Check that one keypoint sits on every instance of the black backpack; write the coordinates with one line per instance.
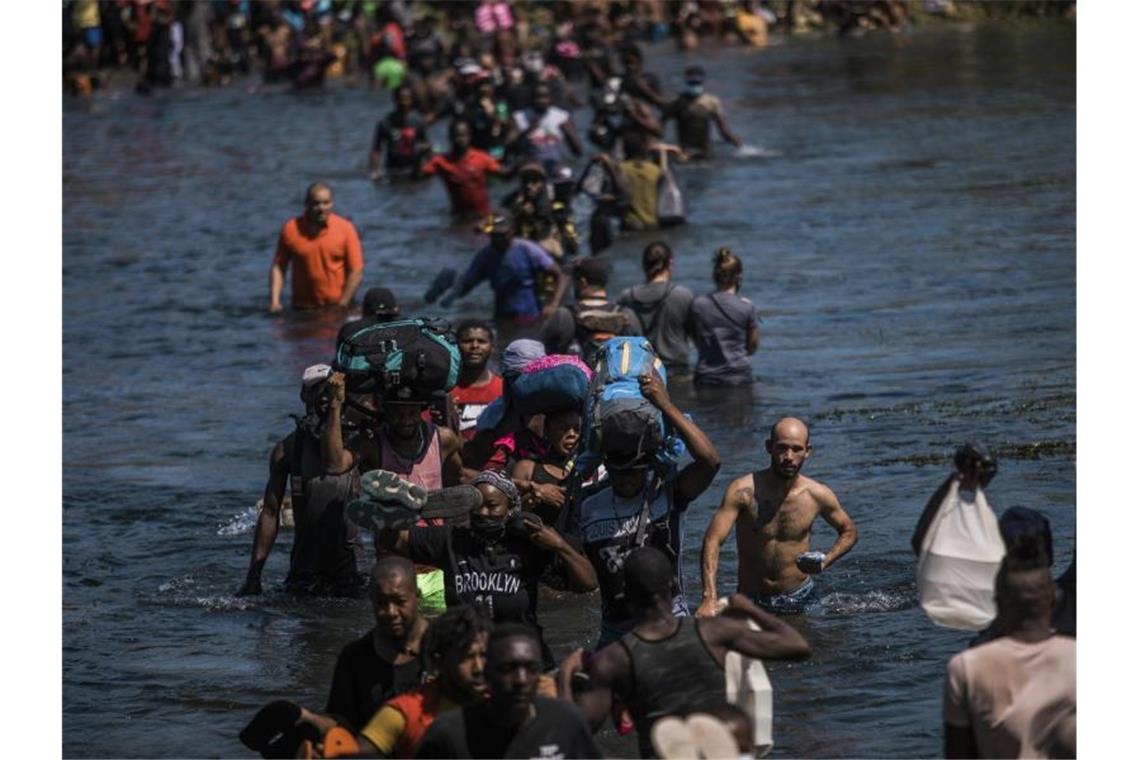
(417, 353)
(593, 326)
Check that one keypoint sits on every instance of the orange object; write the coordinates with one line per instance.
(321, 262)
(339, 742)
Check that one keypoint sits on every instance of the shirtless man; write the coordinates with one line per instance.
(774, 510)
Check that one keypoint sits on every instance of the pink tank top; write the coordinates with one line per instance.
(427, 471)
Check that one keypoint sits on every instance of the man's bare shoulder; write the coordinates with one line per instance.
(819, 492)
(742, 490)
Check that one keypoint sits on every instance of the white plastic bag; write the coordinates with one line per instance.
(670, 204)
(746, 685)
(960, 556)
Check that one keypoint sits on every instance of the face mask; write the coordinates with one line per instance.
(487, 528)
(694, 90)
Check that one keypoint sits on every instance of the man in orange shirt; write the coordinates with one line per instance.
(326, 253)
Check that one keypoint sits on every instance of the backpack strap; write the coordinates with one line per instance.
(651, 489)
(658, 306)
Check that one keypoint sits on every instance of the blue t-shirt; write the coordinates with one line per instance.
(512, 275)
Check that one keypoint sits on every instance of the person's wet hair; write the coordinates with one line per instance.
(393, 565)
(648, 575)
(1027, 535)
(1023, 587)
(727, 268)
(656, 258)
(594, 271)
(455, 629)
(631, 50)
(635, 143)
(510, 630)
(475, 324)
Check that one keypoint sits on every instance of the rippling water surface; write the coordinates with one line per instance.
(907, 225)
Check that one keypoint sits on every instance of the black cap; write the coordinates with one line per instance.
(380, 302)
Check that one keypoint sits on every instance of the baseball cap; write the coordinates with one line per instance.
(499, 222)
(315, 374)
(380, 302)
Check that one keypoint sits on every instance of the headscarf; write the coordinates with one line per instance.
(520, 353)
(500, 481)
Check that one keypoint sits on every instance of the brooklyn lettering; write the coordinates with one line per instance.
(474, 583)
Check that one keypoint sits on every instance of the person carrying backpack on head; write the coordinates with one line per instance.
(662, 309)
(582, 328)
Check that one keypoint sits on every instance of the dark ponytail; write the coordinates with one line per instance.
(727, 269)
(656, 258)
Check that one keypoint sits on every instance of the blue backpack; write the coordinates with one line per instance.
(617, 418)
(417, 353)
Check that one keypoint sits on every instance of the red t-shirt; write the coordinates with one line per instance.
(321, 263)
(471, 400)
(466, 179)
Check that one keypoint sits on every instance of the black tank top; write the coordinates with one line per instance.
(547, 512)
(672, 676)
(324, 553)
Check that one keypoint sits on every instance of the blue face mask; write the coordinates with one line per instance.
(694, 90)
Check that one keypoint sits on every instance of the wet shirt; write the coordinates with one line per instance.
(720, 322)
(607, 527)
(662, 310)
(363, 681)
(558, 730)
(404, 135)
(466, 179)
(321, 262)
(1012, 694)
(512, 275)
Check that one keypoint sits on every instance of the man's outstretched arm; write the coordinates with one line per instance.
(736, 496)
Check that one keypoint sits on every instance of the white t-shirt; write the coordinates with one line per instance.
(1013, 695)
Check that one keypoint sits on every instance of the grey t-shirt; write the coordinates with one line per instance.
(663, 311)
(720, 322)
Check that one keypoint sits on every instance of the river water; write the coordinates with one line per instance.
(907, 227)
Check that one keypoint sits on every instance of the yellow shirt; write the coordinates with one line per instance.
(641, 176)
(85, 14)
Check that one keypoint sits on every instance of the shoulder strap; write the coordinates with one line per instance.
(643, 518)
(712, 297)
(658, 306)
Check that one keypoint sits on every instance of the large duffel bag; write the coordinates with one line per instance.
(550, 384)
(417, 353)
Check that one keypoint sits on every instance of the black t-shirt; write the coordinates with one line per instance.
(503, 578)
(363, 681)
(557, 730)
(403, 133)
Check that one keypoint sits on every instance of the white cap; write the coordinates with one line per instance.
(315, 374)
